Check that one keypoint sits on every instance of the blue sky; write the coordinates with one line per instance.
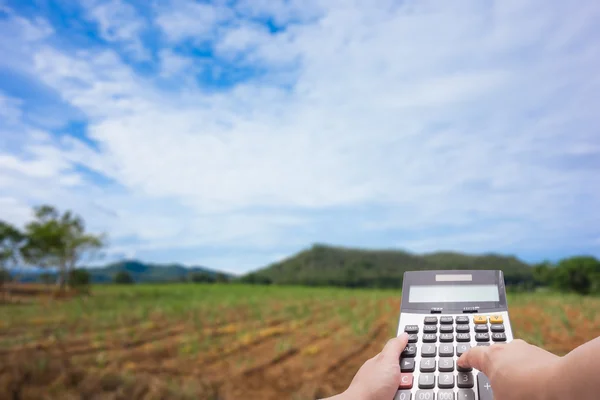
(234, 133)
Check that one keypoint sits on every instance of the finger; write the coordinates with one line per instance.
(394, 347)
(474, 358)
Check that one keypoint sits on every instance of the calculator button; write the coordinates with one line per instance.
(480, 319)
(411, 329)
(429, 338)
(446, 320)
(406, 381)
(426, 381)
(413, 338)
(446, 337)
(497, 327)
(407, 365)
(446, 394)
(463, 337)
(428, 350)
(462, 348)
(499, 337)
(446, 350)
(446, 381)
(481, 328)
(446, 364)
(403, 395)
(409, 351)
(496, 319)
(465, 380)
(446, 328)
(462, 320)
(430, 329)
(427, 365)
(484, 388)
(430, 320)
(482, 337)
(462, 328)
(425, 395)
(466, 394)
(463, 369)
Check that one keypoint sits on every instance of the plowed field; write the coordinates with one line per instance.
(227, 341)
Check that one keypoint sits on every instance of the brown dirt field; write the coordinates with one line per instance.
(307, 357)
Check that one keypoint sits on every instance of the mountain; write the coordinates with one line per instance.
(338, 266)
(145, 272)
(139, 271)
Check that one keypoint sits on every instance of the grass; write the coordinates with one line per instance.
(232, 325)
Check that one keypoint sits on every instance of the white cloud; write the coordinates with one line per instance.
(14, 211)
(18, 38)
(10, 109)
(462, 116)
(119, 22)
(174, 64)
(185, 19)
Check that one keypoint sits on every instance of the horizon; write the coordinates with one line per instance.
(232, 134)
(102, 264)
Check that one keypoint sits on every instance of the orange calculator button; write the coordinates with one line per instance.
(496, 319)
(480, 319)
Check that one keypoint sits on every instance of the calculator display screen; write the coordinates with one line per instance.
(452, 293)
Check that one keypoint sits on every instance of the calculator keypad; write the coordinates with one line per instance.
(426, 381)
(463, 337)
(428, 363)
(428, 350)
(430, 329)
(429, 338)
(446, 337)
(407, 365)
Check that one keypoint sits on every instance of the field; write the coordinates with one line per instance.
(227, 341)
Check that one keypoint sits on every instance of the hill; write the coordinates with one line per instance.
(139, 271)
(337, 266)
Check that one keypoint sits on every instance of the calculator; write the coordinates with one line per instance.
(445, 313)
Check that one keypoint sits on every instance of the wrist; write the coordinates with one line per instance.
(553, 382)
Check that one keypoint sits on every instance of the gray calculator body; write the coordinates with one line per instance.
(445, 314)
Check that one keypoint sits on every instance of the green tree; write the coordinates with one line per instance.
(579, 274)
(58, 241)
(79, 277)
(123, 278)
(4, 277)
(543, 274)
(202, 277)
(11, 246)
(221, 278)
(46, 278)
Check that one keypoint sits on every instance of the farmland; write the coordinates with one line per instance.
(228, 341)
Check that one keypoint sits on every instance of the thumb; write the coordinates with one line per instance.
(392, 349)
(475, 357)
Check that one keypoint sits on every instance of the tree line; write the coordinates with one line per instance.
(50, 240)
(580, 274)
(323, 265)
(59, 241)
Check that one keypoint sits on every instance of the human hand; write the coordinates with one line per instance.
(516, 370)
(379, 377)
